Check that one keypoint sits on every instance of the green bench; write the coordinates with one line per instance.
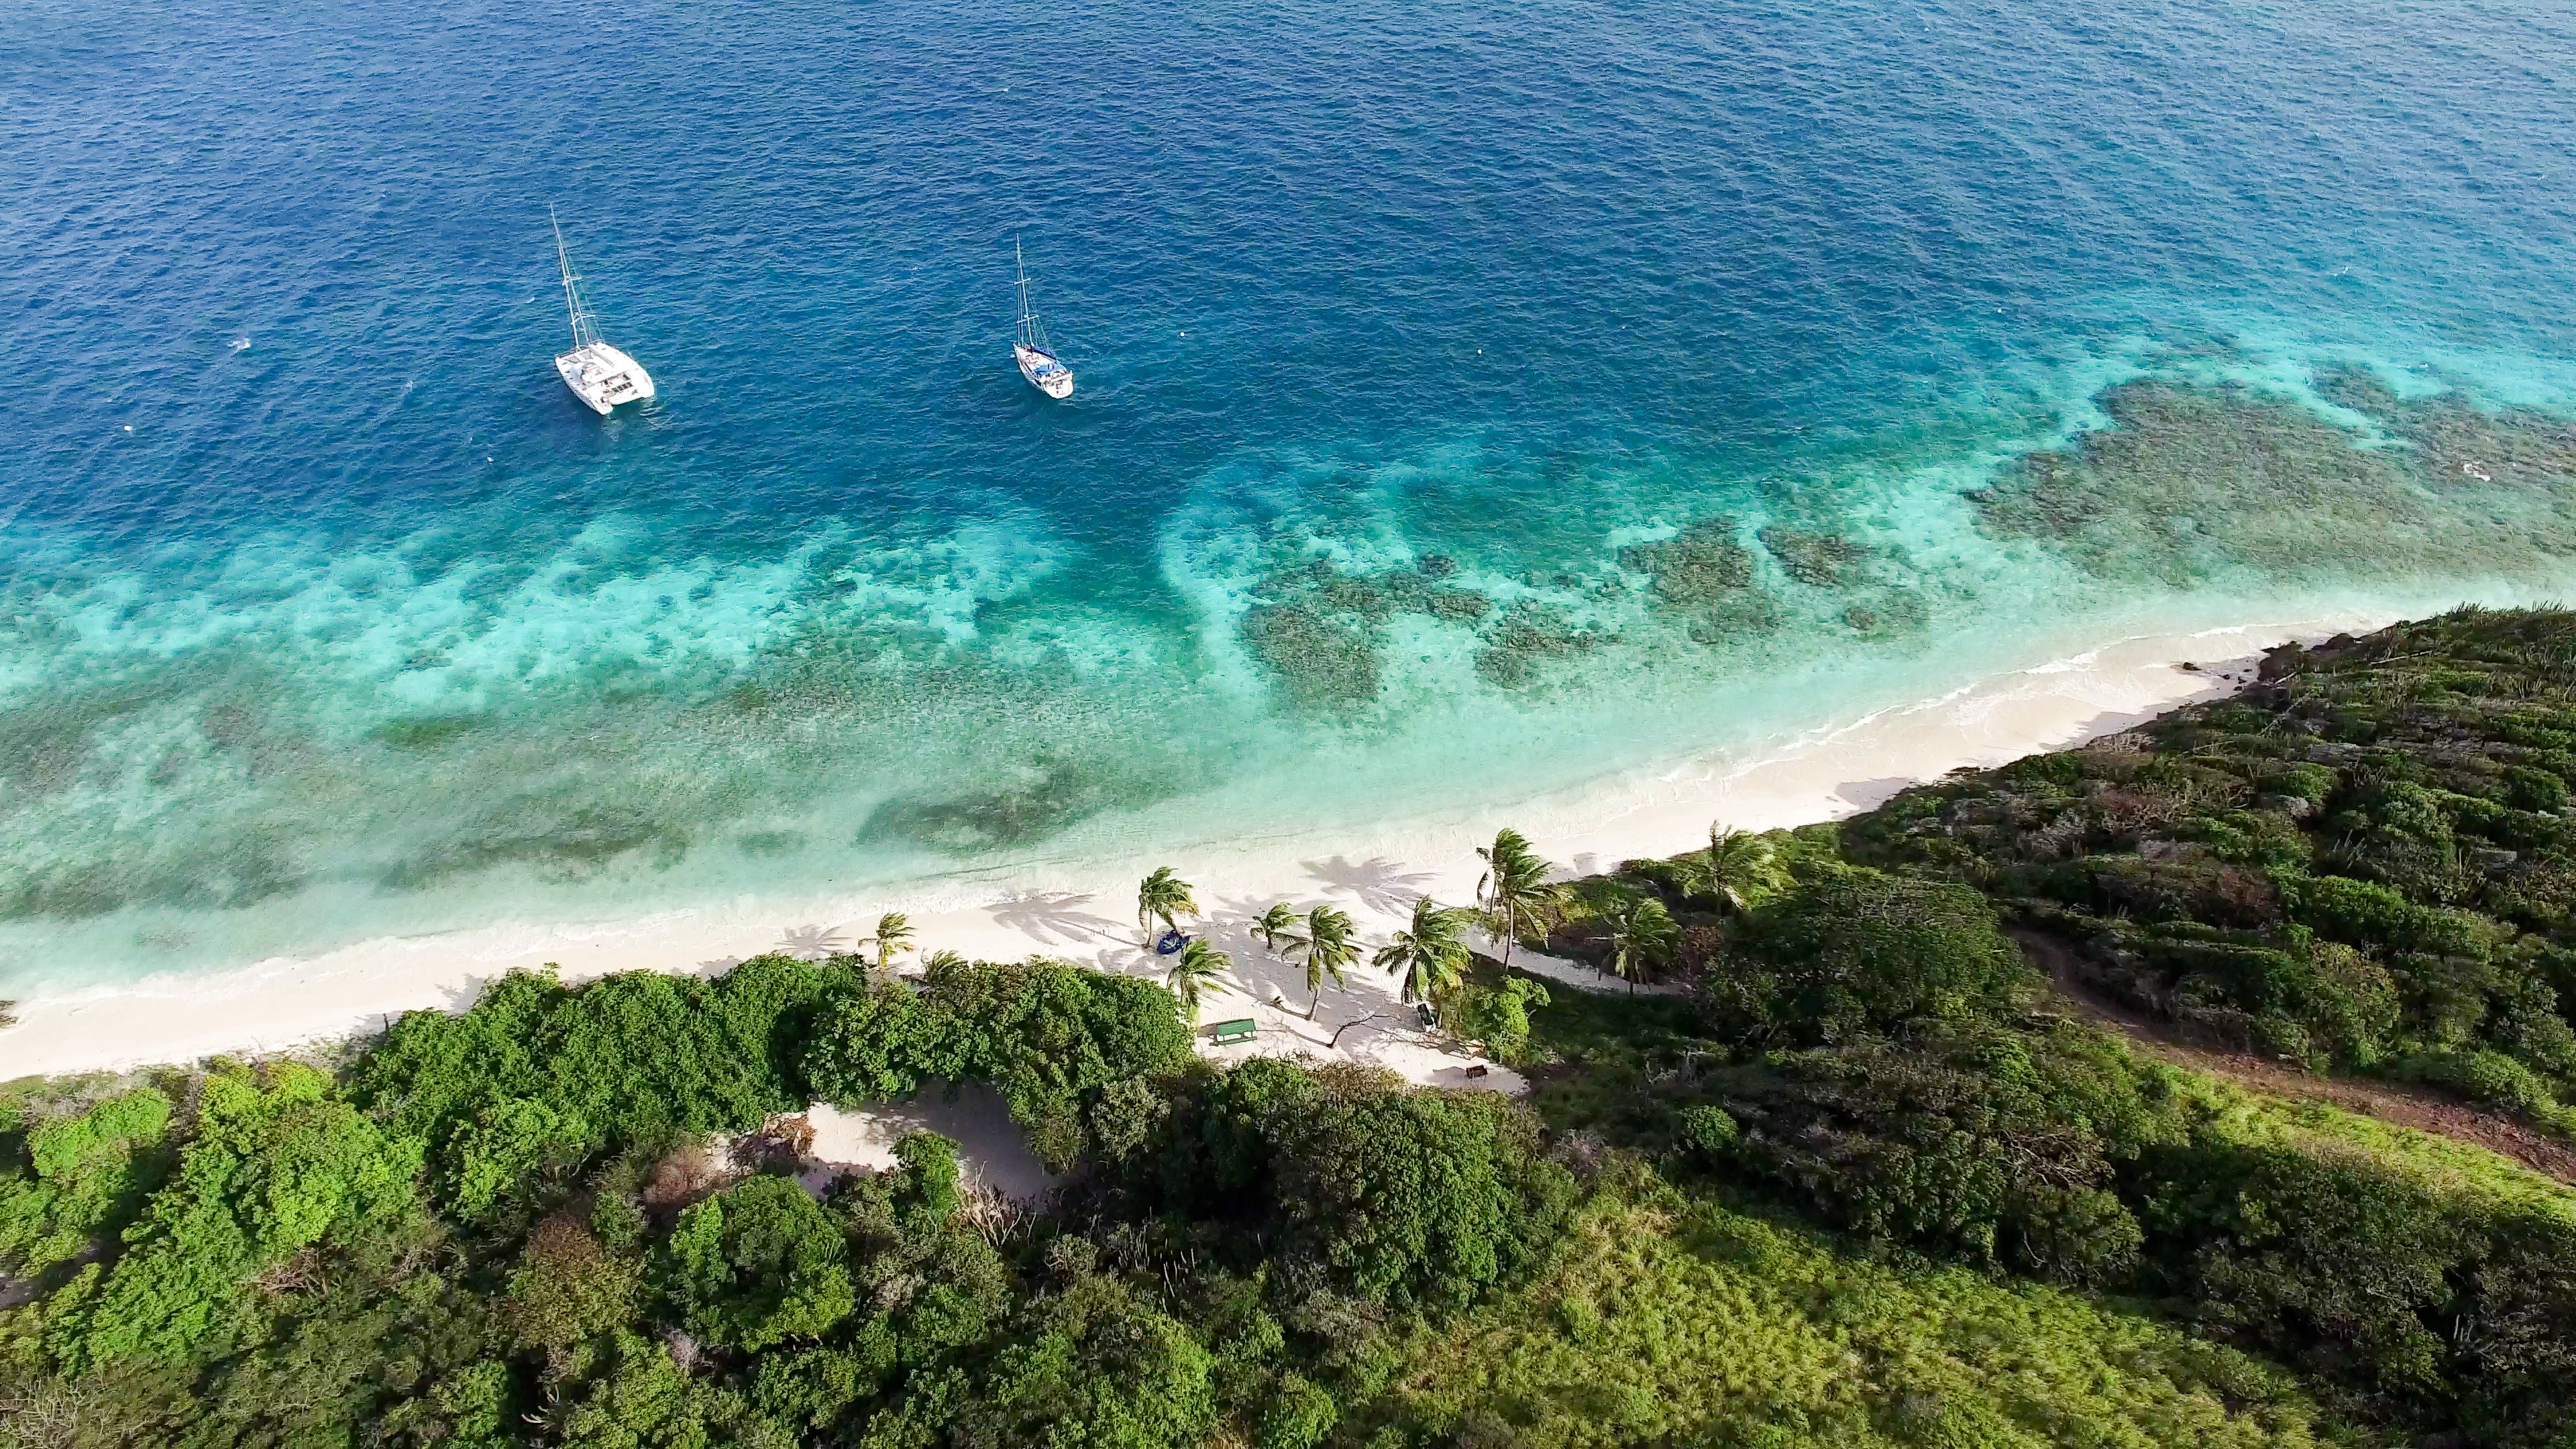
(1227, 1032)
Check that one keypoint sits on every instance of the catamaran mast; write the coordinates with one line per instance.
(581, 330)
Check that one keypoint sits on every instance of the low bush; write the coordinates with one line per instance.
(1498, 1016)
(276, 1165)
(1855, 951)
(87, 1177)
(757, 1264)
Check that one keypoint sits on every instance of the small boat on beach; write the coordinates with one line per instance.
(597, 373)
(1038, 362)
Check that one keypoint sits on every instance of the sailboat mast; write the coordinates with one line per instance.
(1021, 263)
(572, 296)
(1038, 362)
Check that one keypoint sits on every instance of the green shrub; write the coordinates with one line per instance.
(2299, 780)
(273, 1168)
(2486, 1076)
(1408, 1196)
(2494, 1077)
(2330, 1264)
(1854, 951)
(1131, 1377)
(1987, 1145)
(1299, 1415)
(2370, 915)
(2352, 910)
(812, 1388)
(1217, 1149)
(88, 1176)
(930, 1177)
(871, 1043)
(635, 1059)
(2071, 1234)
(1048, 1037)
(2251, 838)
(1498, 1016)
(757, 1264)
(512, 1147)
(1127, 1118)
(647, 1056)
(2310, 999)
(569, 1286)
(1709, 1131)
(640, 1398)
(2530, 789)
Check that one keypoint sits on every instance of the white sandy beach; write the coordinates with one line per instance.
(1085, 914)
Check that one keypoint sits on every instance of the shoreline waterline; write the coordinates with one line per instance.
(1083, 911)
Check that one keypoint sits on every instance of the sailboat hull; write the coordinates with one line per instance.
(603, 377)
(1043, 371)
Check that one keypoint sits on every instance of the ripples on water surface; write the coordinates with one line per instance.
(1470, 403)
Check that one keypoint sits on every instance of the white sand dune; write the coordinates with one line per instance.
(1085, 913)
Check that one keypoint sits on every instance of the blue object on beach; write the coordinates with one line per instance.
(1171, 941)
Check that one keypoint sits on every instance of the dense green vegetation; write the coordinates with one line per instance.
(1271, 1254)
(1678, 1320)
(2365, 861)
(1864, 1181)
(2348, 867)
(506, 1227)
(465, 1243)
(2416, 1284)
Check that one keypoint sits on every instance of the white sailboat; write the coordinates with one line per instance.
(597, 373)
(1038, 362)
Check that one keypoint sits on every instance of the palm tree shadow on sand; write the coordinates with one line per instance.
(1378, 883)
(1351, 1018)
(1255, 974)
(811, 943)
(461, 995)
(1056, 918)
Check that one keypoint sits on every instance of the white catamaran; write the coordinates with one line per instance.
(597, 373)
(1038, 363)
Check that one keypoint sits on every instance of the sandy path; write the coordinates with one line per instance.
(2420, 1108)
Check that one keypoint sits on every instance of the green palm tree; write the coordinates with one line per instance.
(1514, 893)
(894, 933)
(943, 959)
(1327, 950)
(1198, 964)
(1163, 897)
(1276, 925)
(1642, 934)
(1427, 954)
(1741, 869)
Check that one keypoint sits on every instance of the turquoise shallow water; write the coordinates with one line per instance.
(1469, 404)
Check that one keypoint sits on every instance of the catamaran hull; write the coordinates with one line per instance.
(603, 377)
(1057, 383)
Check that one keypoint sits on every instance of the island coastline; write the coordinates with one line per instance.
(1080, 913)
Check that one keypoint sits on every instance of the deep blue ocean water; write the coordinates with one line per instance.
(325, 611)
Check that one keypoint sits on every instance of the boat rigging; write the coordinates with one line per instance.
(1038, 362)
(597, 373)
